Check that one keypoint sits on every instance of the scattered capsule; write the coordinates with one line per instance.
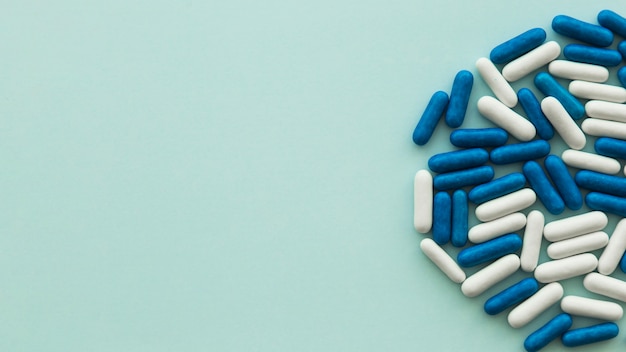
(603, 183)
(604, 128)
(591, 161)
(531, 61)
(600, 91)
(507, 204)
(532, 108)
(511, 296)
(500, 226)
(478, 137)
(497, 188)
(489, 250)
(499, 86)
(532, 240)
(490, 275)
(459, 97)
(564, 182)
(577, 245)
(550, 87)
(517, 46)
(614, 250)
(591, 55)
(590, 334)
(583, 31)
(462, 178)
(442, 218)
(578, 70)
(607, 203)
(562, 121)
(423, 201)
(612, 21)
(548, 332)
(540, 183)
(606, 110)
(576, 225)
(427, 123)
(458, 160)
(606, 286)
(459, 218)
(566, 268)
(512, 153)
(503, 116)
(442, 260)
(592, 308)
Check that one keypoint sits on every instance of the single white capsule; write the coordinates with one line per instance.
(563, 123)
(606, 286)
(606, 110)
(561, 269)
(612, 254)
(492, 229)
(490, 275)
(600, 91)
(576, 225)
(423, 201)
(531, 61)
(499, 86)
(578, 70)
(580, 244)
(531, 246)
(591, 161)
(592, 308)
(604, 128)
(442, 260)
(506, 204)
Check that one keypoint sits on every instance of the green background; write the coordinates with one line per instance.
(235, 176)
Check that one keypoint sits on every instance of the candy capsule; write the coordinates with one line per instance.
(611, 147)
(492, 229)
(442, 218)
(576, 225)
(602, 183)
(592, 55)
(606, 110)
(531, 61)
(578, 70)
(550, 87)
(564, 182)
(604, 128)
(489, 250)
(490, 275)
(590, 161)
(442, 260)
(512, 153)
(423, 201)
(592, 308)
(614, 250)
(511, 296)
(497, 188)
(501, 115)
(621, 75)
(566, 268)
(462, 178)
(506, 204)
(532, 108)
(517, 46)
(532, 240)
(458, 160)
(606, 286)
(583, 31)
(427, 123)
(543, 188)
(478, 137)
(459, 97)
(548, 332)
(499, 86)
(607, 203)
(600, 91)
(612, 21)
(535, 305)
(590, 334)
(563, 123)
(577, 245)
(459, 218)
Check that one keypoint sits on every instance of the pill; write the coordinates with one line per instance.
(621, 75)
(442, 218)
(507, 204)
(578, 70)
(550, 87)
(590, 334)
(427, 123)
(517, 46)
(532, 108)
(592, 55)
(621, 48)
(459, 218)
(535, 305)
(613, 252)
(532, 240)
(512, 153)
(612, 147)
(423, 201)
(442, 260)
(563, 123)
(540, 183)
(612, 21)
(583, 31)
(600, 91)
(492, 229)
(501, 115)
(490, 275)
(622, 263)
(564, 182)
(458, 160)
(489, 250)
(462, 178)
(511, 296)
(602, 183)
(604, 128)
(478, 137)
(459, 97)
(606, 202)
(498, 187)
(576, 225)
(553, 329)
(590, 161)
(577, 245)
(606, 286)
(606, 110)
(499, 86)
(531, 61)
(591, 308)
(566, 268)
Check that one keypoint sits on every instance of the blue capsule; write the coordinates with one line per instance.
(459, 218)
(517, 46)
(549, 86)
(564, 182)
(556, 327)
(599, 182)
(612, 21)
(498, 187)
(583, 31)
(511, 296)
(462, 178)
(459, 97)
(458, 160)
(606, 203)
(427, 123)
(479, 137)
(532, 107)
(490, 250)
(590, 334)
(592, 55)
(544, 189)
(621, 48)
(442, 222)
(615, 148)
(622, 263)
(512, 153)
(621, 75)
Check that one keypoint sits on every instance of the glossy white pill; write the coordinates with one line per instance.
(495, 228)
(442, 260)
(606, 110)
(499, 86)
(561, 269)
(578, 70)
(580, 244)
(613, 252)
(507, 204)
(531, 246)
(604, 128)
(591, 161)
(531, 61)
(423, 201)
(506, 118)
(592, 308)
(600, 91)
(576, 225)
(606, 286)
(490, 275)
(535, 305)
(563, 123)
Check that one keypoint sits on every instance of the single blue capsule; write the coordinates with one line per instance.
(615, 148)
(511, 296)
(497, 188)
(583, 31)
(612, 21)
(489, 250)
(512, 153)
(532, 107)
(462, 178)
(564, 182)
(427, 123)
(556, 327)
(592, 55)
(459, 218)
(459, 97)
(442, 222)
(606, 203)
(590, 334)
(599, 182)
(517, 46)
(544, 189)
(458, 160)
(550, 87)
(479, 137)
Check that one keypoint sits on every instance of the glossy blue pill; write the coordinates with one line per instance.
(622, 263)
(607, 203)
(621, 75)
(442, 221)
(592, 55)
(542, 186)
(549, 86)
(479, 137)
(590, 334)
(490, 250)
(532, 107)
(583, 31)
(615, 148)
(599, 182)
(512, 153)
(498, 187)
(459, 218)
(556, 327)
(511, 296)
(621, 48)
(458, 160)
(612, 21)
(517, 46)
(459, 97)
(564, 182)
(427, 123)
(462, 178)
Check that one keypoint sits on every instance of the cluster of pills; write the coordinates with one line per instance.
(587, 110)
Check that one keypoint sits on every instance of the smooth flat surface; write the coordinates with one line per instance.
(235, 176)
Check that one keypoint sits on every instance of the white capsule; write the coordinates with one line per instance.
(499, 86)
(614, 251)
(580, 244)
(531, 246)
(490, 275)
(576, 225)
(606, 110)
(506, 204)
(495, 228)
(606, 286)
(506, 118)
(566, 268)
(423, 201)
(604, 128)
(563, 123)
(531, 61)
(600, 91)
(535, 305)
(442, 260)
(578, 70)
(592, 308)
(591, 161)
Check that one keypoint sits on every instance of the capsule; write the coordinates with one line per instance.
(590, 334)
(621, 75)
(490, 275)
(604, 128)
(532, 240)
(478, 137)
(592, 55)
(605, 286)
(563, 182)
(459, 97)
(501, 115)
(462, 178)
(548, 332)
(512, 153)
(607, 203)
(621, 48)
(442, 260)
(531, 61)
(499, 86)
(566, 268)
(517, 46)
(507, 204)
(535, 305)
(563, 123)
(511, 296)
(592, 308)
(458, 160)
(490, 250)
(497, 188)
(611, 147)
(492, 229)
(612, 21)
(459, 218)
(578, 70)
(427, 123)
(550, 87)
(622, 263)
(543, 188)
(600, 182)
(600, 91)
(591, 161)
(532, 108)
(614, 250)
(576, 225)
(583, 31)
(606, 110)
(423, 201)
(442, 218)
(577, 245)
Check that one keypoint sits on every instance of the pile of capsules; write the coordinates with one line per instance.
(441, 203)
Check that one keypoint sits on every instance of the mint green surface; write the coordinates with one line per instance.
(235, 176)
